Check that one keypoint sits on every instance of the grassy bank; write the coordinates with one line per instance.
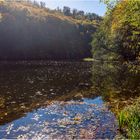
(129, 120)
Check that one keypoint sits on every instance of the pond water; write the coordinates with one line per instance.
(57, 100)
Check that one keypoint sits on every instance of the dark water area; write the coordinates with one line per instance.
(61, 100)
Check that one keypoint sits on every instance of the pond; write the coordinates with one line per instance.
(59, 100)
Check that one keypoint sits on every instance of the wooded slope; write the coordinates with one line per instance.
(31, 32)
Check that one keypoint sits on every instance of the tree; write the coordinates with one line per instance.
(74, 12)
(42, 4)
(66, 11)
(35, 3)
(120, 31)
(58, 10)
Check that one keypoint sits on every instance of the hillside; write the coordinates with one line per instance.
(31, 32)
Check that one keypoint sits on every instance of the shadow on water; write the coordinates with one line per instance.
(64, 100)
(118, 84)
(27, 86)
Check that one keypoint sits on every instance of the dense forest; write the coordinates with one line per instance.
(118, 37)
(30, 31)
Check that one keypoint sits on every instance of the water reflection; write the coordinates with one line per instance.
(64, 120)
(117, 83)
(26, 86)
(52, 100)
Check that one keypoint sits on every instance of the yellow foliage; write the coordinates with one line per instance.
(117, 15)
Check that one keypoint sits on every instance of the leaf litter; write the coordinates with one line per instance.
(65, 120)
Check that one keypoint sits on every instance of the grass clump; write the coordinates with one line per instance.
(129, 120)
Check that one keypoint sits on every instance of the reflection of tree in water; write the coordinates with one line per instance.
(28, 87)
(25, 87)
(117, 83)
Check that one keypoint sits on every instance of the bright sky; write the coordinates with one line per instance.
(93, 6)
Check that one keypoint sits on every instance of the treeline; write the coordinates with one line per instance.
(118, 36)
(79, 14)
(29, 31)
(67, 11)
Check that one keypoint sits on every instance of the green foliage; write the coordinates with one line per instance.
(120, 31)
(129, 119)
(121, 119)
(110, 3)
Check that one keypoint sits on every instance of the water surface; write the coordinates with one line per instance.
(53, 100)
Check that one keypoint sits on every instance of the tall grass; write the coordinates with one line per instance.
(129, 119)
